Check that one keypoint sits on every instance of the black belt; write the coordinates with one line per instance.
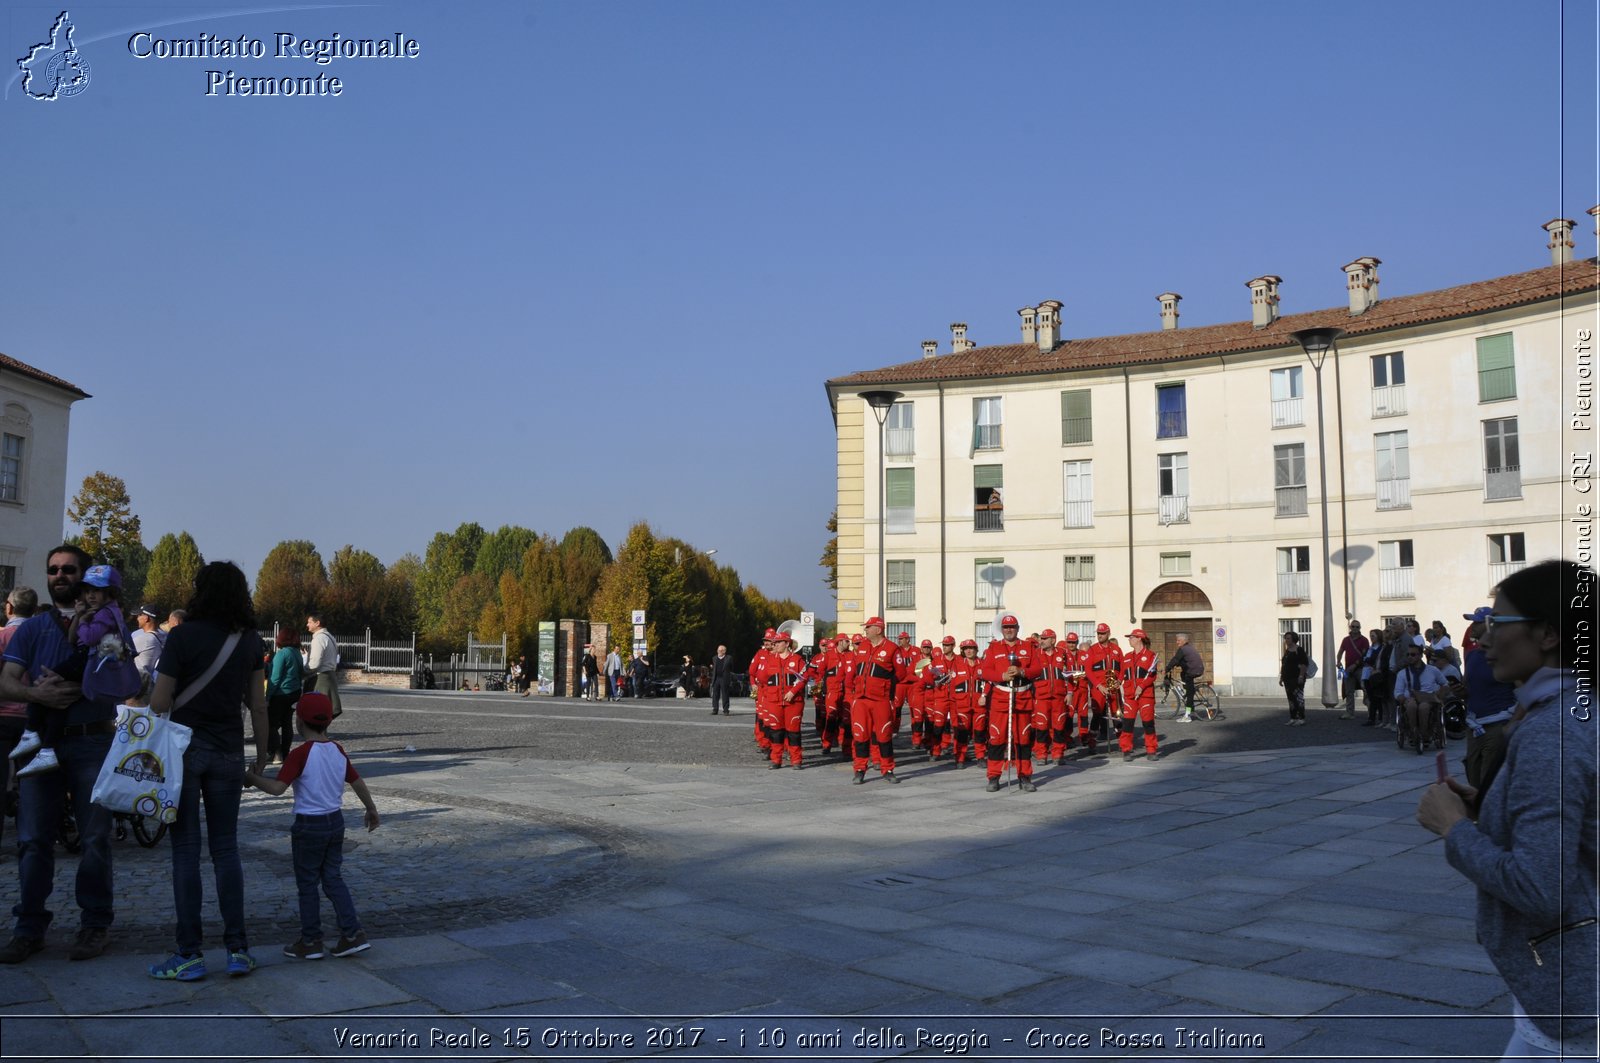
(317, 817)
(99, 727)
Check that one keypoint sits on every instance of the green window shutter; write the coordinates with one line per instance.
(1497, 372)
(901, 488)
(988, 476)
(1077, 425)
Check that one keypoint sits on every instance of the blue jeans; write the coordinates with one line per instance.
(318, 858)
(217, 778)
(39, 822)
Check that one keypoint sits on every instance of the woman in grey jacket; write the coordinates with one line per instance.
(1532, 852)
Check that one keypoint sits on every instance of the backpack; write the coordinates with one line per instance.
(1311, 667)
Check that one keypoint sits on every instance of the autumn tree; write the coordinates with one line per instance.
(355, 596)
(584, 558)
(502, 550)
(291, 584)
(110, 530)
(450, 555)
(169, 582)
(398, 615)
(830, 552)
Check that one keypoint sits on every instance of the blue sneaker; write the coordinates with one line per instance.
(181, 968)
(241, 963)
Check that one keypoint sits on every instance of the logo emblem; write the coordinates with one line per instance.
(55, 69)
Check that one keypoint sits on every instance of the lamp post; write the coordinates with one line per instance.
(1317, 342)
(880, 401)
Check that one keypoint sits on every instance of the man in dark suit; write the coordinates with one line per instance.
(721, 680)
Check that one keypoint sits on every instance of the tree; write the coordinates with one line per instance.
(356, 589)
(398, 616)
(291, 584)
(830, 552)
(450, 556)
(110, 529)
(464, 606)
(502, 550)
(584, 557)
(173, 563)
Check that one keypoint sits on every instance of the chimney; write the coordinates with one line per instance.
(930, 348)
(1049, 324)
(958, 338)
(1263, 300)
(1361, 279)
(1560, 230)
(1026, 313)
(1169, 309)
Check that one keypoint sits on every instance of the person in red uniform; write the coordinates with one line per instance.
(1051, 710)
(760, 685)
(1102, 662)
(828, 689)
(937, 698)
(1140, 666)
(872, 715)
(791, 672)
(963, 686)
(1077, 691)
(1011, 666)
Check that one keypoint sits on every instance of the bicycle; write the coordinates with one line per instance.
(1207, 702)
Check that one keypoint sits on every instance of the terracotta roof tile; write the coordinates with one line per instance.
(10, 364)
(1171, 345)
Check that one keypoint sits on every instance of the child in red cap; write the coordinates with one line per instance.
(318, 768)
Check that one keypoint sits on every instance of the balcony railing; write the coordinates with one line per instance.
(902, 520)
(1397, 583)
(901, 596)
(1286, 412)
(1294, 586)
(1172, 509)
(1497, 384)
(1502, 483)
(987, 597)
(986, 437)
(1394, 494)
(987, 519)
(1077, 430)
(1389, 401)
(1291, 501)
(1499, 570)
(1080, 592)
(900, 442)
(1080, 514)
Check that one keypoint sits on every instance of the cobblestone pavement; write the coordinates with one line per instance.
(1271, 904)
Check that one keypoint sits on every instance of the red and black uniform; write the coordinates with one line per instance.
(872, 715)
(832, 693)
(821, 663)
(1077, 694)
(963, 686)
(1102, 662)
(936, 700)
(1050, 696)
(790, 671)
(763, 683)
(1139, 671)
(1011, 707)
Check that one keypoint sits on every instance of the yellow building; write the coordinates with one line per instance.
(1169, 479)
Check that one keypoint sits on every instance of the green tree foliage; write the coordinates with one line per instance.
(102, 509)
(135, 570)
(354, 599)
(502, 550)
(830, 552)
(464, 606)
(450, 555)
(584, 558)
(676, 585)
(292, 583)
(399, 613)
(169, 582)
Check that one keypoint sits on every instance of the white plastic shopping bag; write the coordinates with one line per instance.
(143, 773)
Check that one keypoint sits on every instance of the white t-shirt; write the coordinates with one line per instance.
(318, 771)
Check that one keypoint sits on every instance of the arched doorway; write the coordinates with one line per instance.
(1178, 608)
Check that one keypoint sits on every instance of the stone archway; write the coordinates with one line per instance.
(1179, 608)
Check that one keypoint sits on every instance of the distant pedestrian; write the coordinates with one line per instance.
(318, 769)
(614, 675)
(1352, 654)
(524, 675)
(591, 675)
(1190, 668)
(20, 604)
(148, 639)
(641, 675)
(721, 680)
(1292, 678)
(285, 683)
(322, 665)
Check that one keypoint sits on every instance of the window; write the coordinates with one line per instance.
(1077, 491)
(900, 511)
(986, 424)
(1172, 487)
(1084, 629)
(988, 501)
(1301, 626)
(1497, 368)
(892, 631)
(982, 634)
(11, 469)
(901, 577)
(1394, 470)
(8, 579)
(1502, 459)
(900, 435)
(1289, 478)
(1077, 424)
(1294, 574)
(1078, 575)
(1175, 564)
(990, 576)
(1388, 384)
(1172, 416)
(1288, 397)
(1396, 577)
(1508, 552)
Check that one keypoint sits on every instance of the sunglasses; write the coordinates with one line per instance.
(62, 570)
(1492, 622)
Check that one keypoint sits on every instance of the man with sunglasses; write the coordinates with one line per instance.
(1416, 691)
(38, 645)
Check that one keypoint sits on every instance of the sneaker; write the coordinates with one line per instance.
(1127, 758)
(1290, 722)
(890, 776)
(993, 786)
(43, 761)
(90, 942)
(1186, 718)
(180, 968)
(304, 950)
(20, 948)
(774, 765)
(29, 742)
(860, 778)
(349, 946)
(1347, 716)
(1027, 785)
(241, 963)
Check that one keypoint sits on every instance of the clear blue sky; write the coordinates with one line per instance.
(587, 263)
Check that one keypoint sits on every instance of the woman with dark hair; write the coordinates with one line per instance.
(284, 682)
(210, 665)
(1532, 852)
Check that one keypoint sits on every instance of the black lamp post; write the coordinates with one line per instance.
(1317, 342)
(880, 401)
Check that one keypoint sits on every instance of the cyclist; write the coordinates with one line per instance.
(1187, 659)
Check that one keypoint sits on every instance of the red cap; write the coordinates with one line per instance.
(1102, 629)
(315, 709)
(859, 639)
(927, 644)
(1072, 636)
(969, 642)
(949, 640)
(769, 636)
(1009, 621)
(1047, 633)
(874, 621)
(904, 635)
(1137, 633)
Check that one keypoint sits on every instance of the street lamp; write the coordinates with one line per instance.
(880, 401)
(1317, 342)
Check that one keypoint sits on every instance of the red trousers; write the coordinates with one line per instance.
(1020, 739)
(872, 724)
(1145, 713)
(787, 735)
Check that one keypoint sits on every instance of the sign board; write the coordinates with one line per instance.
(547, 651)
(638, 632)
(638, 616)
(638, 647)
(1220, 634)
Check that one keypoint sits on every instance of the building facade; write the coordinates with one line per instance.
(35, 412)
(1170, 480)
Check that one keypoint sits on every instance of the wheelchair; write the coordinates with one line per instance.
(1433, 729)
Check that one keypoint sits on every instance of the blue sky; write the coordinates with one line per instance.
(590, 263)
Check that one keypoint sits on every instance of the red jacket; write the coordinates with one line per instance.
(1102, 660)
(1002, 655)
(880, 671)
(1139, 671)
